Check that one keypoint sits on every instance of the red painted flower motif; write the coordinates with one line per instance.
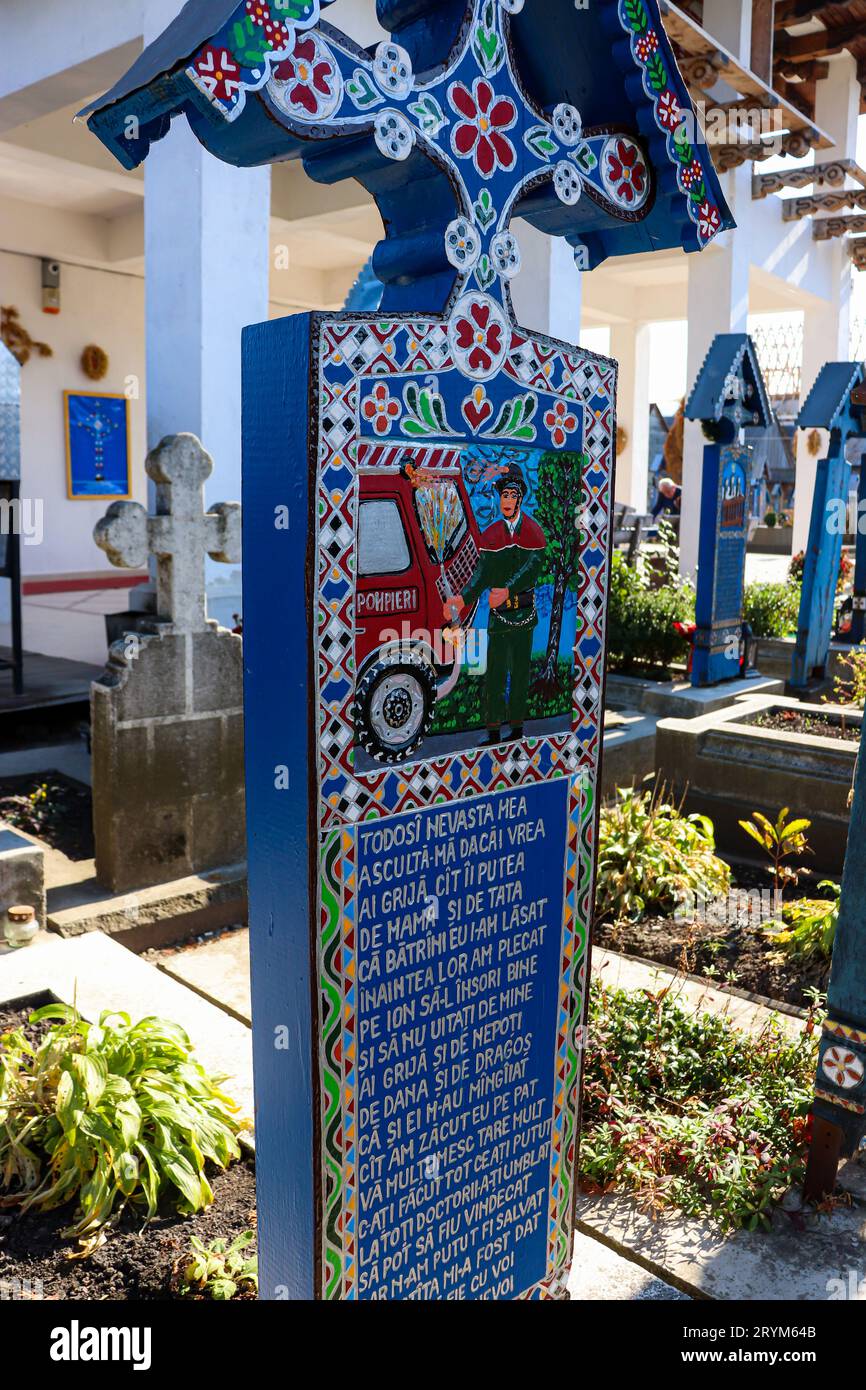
(668, 110)
(381, 409)
(561, 423)
(218, 72)
(692, 174)
(647, 45)
(275, 31)
(479, 335)
(626, 172)
(312, 75)
(709, 220)
(480, 132)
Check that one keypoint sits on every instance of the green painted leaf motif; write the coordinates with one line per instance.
(426, 412)
(249, 43)
(540, 141)
(514, 419)
(296, 10)
(657, 74)
(636, 15)
(585, 159)
(486, 43)
(484, 273)
(362, 91)
(431, 118)
(485, 212)
(698, 192)
(685, 154)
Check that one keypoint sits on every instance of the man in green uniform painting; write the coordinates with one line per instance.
(510, 561)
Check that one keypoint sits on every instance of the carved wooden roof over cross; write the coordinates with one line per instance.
(476, 111)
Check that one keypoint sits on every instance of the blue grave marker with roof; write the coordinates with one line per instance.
(831, 405)
(728, 398)
(421, 880)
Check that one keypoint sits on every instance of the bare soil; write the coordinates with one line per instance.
(791, 721)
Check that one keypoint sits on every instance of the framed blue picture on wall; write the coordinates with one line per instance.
(97, 446)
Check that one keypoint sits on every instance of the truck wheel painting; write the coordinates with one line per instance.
(465, 604)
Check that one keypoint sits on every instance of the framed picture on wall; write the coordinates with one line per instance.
(97, 446)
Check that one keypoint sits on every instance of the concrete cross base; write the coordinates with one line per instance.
(167, 724)
(678, 698)
(153, 917)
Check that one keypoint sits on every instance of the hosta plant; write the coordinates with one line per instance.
(106, 1115)
(652, 857)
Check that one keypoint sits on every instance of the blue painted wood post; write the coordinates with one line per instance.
(839, 1110)
(729, 397)
(858, 615)
(420, 893)
(821, 568)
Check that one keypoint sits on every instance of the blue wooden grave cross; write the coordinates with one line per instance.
(829, 406)
(420, 895)
(728, 398)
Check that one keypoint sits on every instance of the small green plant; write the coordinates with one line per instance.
(651, 856)
(772, 610)
(684, 1110)
(851, 689)
(108, 1114)
(770, 519)
(807, 928)
(779, 842)
(220, 1271)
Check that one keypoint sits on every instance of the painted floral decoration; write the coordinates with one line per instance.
(393, 134)
(561, 422)
(668, 110)
(277, 32)
(479, 335)
(218, 73)
(462, 244)
(709, 220)
(506, 254)
(625, 172)
(311, 79)
(568, 183)
(647, 45)
(381, 409)
(392, 69)
(481, 131)
(843, 1067)
(693, 174)
(567, 123)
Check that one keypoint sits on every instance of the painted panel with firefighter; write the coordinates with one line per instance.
(466, 606)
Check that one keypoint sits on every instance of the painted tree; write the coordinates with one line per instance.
(558, 500)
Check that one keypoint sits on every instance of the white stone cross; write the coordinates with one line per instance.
(181, 534)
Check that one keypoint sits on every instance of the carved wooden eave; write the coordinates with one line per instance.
(828, 228)
(857, 252)
(833, 28)
(794, 209)
(831, 173)
(704, 62)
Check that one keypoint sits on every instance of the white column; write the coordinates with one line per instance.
(827, 326)
(730, 21)
(718, 303)
(207, 264)
(630, 346)
(547, 292)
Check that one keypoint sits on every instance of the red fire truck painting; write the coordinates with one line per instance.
(417, 545)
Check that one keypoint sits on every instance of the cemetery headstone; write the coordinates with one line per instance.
(829, 406)
(427, 510)
(729, 398)
(167, 715)
(839, 1110)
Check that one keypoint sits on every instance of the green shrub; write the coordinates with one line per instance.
(651, 857)
(219, 1271)
(772, 610)
(686, 1111)
(770, 519)
(851, 689)
(107, 1114)
(641, 616)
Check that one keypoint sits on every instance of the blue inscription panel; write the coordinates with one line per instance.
(459, 929)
